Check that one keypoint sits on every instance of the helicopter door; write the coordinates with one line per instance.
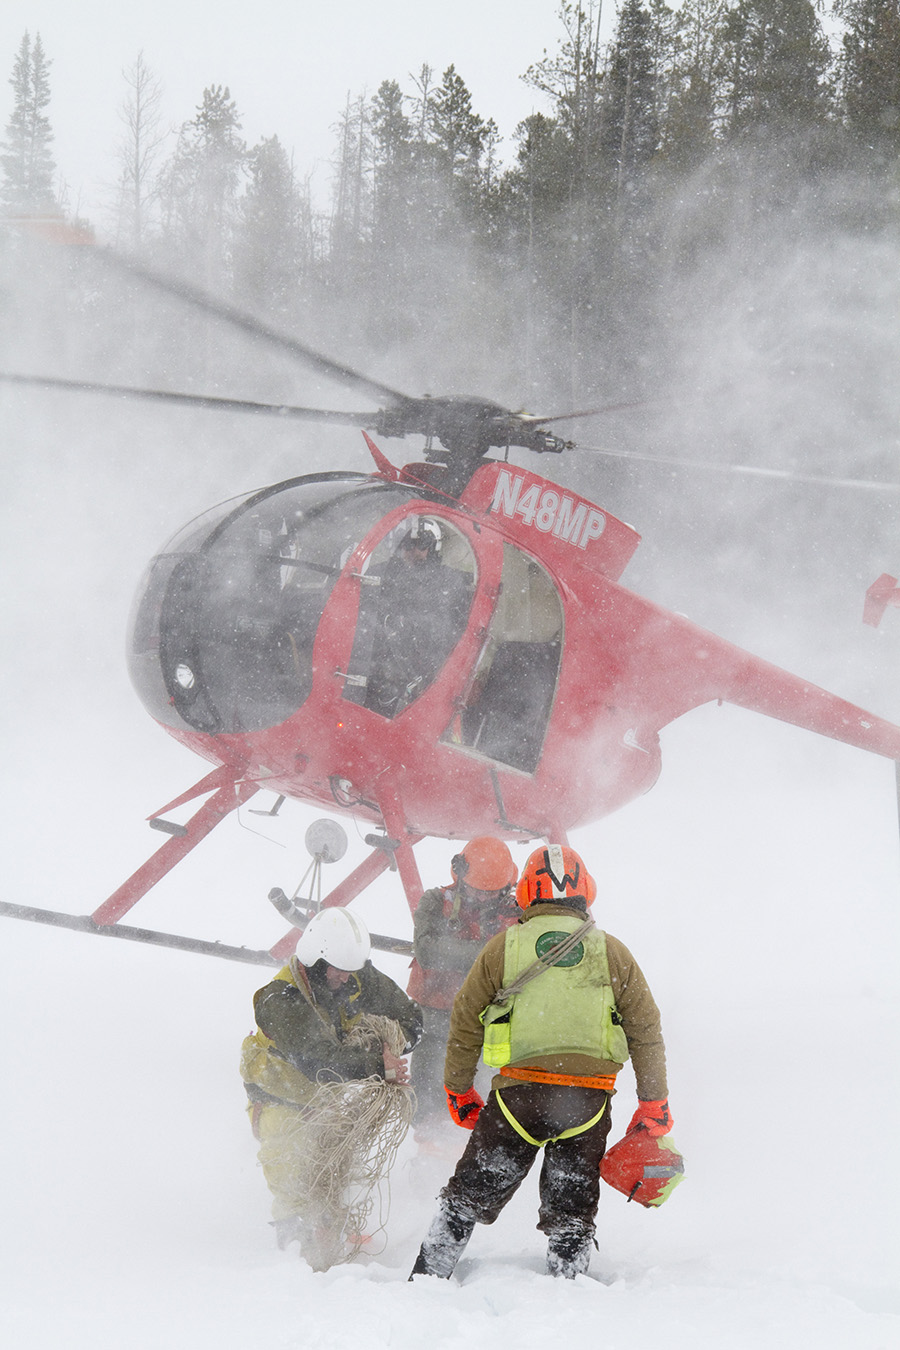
(508, 703)
(416, 591)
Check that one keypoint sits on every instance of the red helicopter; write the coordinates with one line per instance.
(443, 649)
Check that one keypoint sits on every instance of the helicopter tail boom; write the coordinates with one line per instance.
(685, 666)
(776, 693)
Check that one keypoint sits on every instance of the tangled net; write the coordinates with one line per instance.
(347, 1140)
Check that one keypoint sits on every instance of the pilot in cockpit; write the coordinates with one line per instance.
(421, 614)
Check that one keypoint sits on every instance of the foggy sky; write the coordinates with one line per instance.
(289, 64)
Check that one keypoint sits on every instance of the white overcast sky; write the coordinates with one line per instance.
(288, 63)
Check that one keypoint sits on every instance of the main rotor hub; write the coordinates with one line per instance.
(466, 428)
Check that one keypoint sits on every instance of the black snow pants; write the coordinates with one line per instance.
(497, 1158)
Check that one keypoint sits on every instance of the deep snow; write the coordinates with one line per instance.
(758, 886)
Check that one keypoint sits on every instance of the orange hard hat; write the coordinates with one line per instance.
(555, 873)
(485, 864)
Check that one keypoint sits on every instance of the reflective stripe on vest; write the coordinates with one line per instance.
(569, 1009)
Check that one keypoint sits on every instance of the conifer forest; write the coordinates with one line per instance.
(690, 180)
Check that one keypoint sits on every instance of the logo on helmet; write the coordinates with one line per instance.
(555, 873)
(563, 882)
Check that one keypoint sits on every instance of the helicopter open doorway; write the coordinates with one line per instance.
(506, 708)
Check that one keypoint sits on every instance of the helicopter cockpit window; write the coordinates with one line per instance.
(222, 637)
(415, 595)
(508, 703)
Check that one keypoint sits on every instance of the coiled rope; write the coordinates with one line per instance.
(347, 1139)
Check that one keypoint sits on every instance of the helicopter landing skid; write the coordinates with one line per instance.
(229, 793)
(83, 923)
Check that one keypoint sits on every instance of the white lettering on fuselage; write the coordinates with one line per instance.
(547, 510)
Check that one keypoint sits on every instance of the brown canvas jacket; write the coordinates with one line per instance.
(634, 1002)
(308, 1027)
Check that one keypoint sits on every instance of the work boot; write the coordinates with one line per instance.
(568, 1255)
(444, 1243)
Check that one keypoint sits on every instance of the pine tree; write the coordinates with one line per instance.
(775, 63)
(540, 171)
(28, 165)
(631, 127)
(391, 141)
(535, 209)
(457, 132)
(573, 80)
(199, 187)
(430, 190)
(351, 211)
(688, 129)
(870, 72)
(274, 236)
(449, 141)
(393, 179)
(422, 104)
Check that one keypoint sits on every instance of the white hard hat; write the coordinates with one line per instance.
(336, 936)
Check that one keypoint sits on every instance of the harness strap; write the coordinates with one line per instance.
(539, 1143)
(605, 1081)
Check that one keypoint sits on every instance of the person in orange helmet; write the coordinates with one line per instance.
(450, 927)
(556, 1006)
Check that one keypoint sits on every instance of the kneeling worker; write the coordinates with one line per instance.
(558, 1006)
(306, 1016)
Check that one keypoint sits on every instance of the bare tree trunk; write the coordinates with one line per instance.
(139, 147)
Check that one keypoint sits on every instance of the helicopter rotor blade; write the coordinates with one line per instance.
(751, 470)
(594, 412)
(454, 422)
(354, 419)
(221, 309)
(465, 427)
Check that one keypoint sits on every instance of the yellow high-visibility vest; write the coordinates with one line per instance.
(568, 1009)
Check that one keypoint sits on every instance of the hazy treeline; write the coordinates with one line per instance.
(697, 141)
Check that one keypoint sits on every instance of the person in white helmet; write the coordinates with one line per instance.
(304, 1016)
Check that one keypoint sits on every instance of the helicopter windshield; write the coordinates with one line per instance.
(223, 630)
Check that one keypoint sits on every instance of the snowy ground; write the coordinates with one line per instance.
(764, 909)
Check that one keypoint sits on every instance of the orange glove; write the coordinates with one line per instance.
(465, 1107)
(654, 1117)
